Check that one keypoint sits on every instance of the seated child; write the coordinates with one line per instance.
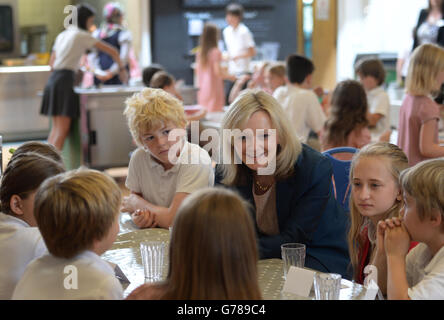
(20, 240)
(371, 74)
(42, 148)
(166, 168)
(149, 72)
(347, 124)
(78, 216)
(298, 100)
(213, 243)
(275, 76)
(164, 80)
(418, 274)
(375, 196)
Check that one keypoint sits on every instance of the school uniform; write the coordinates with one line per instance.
(379, 102)
(193, 171)
(19, 245)
(238, 41)
(59, 98)
(302, 108)
(84, 277)
(425, 274)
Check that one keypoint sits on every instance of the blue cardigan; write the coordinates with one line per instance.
(307, 213)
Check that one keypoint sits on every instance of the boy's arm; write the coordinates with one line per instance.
(164, 217)
(373, 118)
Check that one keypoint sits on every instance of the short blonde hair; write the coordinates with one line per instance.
(152, 108)
(75, 209)
(426, 62)
(425, 183)
(289, 149)
(277, 69)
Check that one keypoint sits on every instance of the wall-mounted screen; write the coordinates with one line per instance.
(196, 4)
(6, 29)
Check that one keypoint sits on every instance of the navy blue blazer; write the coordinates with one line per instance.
(307, 213)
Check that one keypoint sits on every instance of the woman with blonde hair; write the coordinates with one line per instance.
(213, 252)
(287, 183)
(419, 114)
(376, 196)
(209, 72)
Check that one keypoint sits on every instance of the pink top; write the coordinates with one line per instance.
(358, 138)
(415, 111)
(211, 87)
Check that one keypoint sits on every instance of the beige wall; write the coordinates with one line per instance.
(324, 45)
(43, 12)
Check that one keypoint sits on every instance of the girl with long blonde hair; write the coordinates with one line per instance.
(376, 195)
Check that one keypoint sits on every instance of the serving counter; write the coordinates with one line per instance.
(20, 117)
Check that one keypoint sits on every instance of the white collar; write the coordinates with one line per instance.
(8, 219)
(156, 165)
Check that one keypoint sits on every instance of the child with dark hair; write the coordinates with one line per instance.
(371, 74)
(347, 125)
(149, 72)
(299, 101)
(20, 240)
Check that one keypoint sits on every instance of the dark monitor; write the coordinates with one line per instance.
(9, 41)
(216, 4)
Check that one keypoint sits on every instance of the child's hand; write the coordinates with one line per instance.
(144, 219)
(397, 241)
(380, 231)
(131, 203)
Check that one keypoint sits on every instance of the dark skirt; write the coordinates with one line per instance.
(59, 98)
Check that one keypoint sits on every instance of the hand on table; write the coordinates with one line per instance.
(131, 203)
(143, 218)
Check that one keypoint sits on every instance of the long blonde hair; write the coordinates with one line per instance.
(289, 149)
(398, 162)
(213, 250)
(426, 62)
(208, 40)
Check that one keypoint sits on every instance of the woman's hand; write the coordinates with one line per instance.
(143, 218)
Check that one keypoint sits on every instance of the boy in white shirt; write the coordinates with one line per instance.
(78, 217)
(20, 240)
(371, 74)
(238, 40)
(418, 274)
(298, 100)
(166, 168)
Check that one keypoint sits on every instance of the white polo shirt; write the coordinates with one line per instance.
(19, 245)
(51, 278)
(69, 47)
(238, 41)
(379, 102)
(303, 109)
(425, 274)
(157, 186)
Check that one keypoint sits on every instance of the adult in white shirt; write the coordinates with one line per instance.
(60, 102)
(298, 100)
(238, 40)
